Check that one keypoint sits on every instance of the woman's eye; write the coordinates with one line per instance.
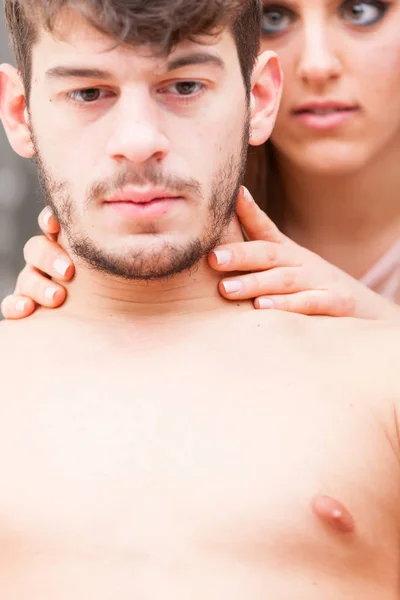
(86, 96)
(276, 19)
(363, 13)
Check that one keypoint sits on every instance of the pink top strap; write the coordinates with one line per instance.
(384, 277)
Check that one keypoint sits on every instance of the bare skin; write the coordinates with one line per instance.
(183, 446)
(279, 273)
(164, 476)
(347, 51)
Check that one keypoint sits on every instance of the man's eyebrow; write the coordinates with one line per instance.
(201, 58)
(67, 72)
(62, 72)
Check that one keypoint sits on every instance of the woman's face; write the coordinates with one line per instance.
(341, 61)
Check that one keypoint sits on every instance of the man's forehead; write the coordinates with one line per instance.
(74, 40)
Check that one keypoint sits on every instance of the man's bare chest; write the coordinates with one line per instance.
(167, 458)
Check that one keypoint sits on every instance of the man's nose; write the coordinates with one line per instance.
(137, 135)
(318, 62)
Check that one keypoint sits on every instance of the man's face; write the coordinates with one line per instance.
(140, 156)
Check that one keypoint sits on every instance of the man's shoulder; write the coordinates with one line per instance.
(358, 331)
(15, 337)
(13, 354)
(364, 352)
(20, 340)
(339, 328)
(13, 330)
(330, 337)
(315, 325)
(354, 357)
(23, 357)
(8, 332)
(348, 334)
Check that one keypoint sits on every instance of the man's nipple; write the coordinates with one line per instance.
(334, 514)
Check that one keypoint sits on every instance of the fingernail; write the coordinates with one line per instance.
(20, 305)
(223, 256)
(247, 197)
(232, 287)
(47, 216)
(50, 293)
(265, 303)
(61, 266)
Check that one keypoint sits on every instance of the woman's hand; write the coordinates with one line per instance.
(279, 273)
(45, 260)
(282, 275)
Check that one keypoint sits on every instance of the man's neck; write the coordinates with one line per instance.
(351, 220)
(96, 296)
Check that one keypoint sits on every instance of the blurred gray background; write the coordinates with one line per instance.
(20, 202)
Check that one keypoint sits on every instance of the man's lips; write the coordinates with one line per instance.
(136, 195)
(140, 204)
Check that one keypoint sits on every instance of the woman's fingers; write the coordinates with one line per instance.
(16, 307)
(47, 256)
(35, 286)
(257, 225)
(310, 302)
(282, 280)
(45, 259)
(282, 275)
(252, 256)
(48, 222)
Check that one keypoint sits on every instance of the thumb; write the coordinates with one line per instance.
(256, 224)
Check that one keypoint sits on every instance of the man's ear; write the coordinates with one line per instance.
(13, 111)
(266, 92)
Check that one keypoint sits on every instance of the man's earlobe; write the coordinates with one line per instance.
(14, 113)
(267, 81)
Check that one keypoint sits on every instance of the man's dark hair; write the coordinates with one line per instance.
(159, 24)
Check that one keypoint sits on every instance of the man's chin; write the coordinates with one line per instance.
(144, 262)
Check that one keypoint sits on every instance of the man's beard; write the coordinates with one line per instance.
(168, 259)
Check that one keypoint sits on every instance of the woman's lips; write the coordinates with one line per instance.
(324, 117)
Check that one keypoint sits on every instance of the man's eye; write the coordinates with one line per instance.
(276, 19)
(86, 96)
(187, 88)
(363, 13)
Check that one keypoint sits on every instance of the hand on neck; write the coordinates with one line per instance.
(94, 295)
